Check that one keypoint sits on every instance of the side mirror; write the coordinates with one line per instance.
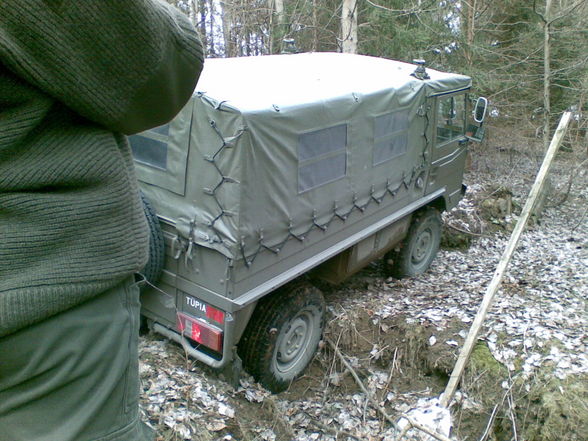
(480, 109)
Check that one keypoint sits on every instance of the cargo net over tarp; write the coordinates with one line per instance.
(276, 147)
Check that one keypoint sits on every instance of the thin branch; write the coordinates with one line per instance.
(490, 422)
(569, 185)
(466, 232)
(568, 12)
(360, 384)
(538, 13)
(401, 12)
(412, 423)
(581, 220)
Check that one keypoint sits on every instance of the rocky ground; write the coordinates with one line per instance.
(528, 376)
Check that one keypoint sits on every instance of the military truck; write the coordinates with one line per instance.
(286, 169)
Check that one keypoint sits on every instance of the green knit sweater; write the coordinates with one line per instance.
(74, 76)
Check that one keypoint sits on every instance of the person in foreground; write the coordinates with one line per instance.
(74, 78)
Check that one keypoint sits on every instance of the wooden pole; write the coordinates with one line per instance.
(494, 285)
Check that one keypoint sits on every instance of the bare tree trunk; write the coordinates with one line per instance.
(280, 10)
(315, 25)
(211, 35)
(547, 74)
(201, 13)
(469, 7)
(272, 43)
(471, 20)
(349, 26)
(194, 12)
(279, 31)
(227, 23)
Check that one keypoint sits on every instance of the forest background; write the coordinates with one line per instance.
(529, 57)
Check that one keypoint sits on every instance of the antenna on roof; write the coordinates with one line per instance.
(420, 72)
(289, 46)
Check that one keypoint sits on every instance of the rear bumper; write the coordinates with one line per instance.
(227, 354)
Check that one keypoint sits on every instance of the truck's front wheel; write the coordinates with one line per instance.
(420, 246)
(282, 335)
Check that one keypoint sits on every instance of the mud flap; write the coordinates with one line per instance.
(233, 370)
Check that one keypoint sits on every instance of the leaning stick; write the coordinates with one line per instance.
(494, 285)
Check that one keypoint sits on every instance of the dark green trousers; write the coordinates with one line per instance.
(75, 376)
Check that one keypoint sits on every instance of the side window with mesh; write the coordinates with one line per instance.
(150, 147)
(322, 157)
(390, 136)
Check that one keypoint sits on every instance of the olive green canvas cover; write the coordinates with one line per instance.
(271, 147)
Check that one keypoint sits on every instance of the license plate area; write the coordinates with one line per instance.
(195, 307)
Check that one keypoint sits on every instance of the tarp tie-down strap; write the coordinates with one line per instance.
(406, 181)
(336, 214)
(226, 143)
(390, 188)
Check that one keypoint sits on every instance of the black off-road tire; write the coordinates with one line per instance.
(154, 266)
(420, 246)
(282, 335)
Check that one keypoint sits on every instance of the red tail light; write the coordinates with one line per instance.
(201, 332)
(215, 314)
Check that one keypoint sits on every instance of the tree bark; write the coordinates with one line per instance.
(280, 10)
(547, 74)
(277, 30)
(469, 15)
(349, 26)
(281, 24)
(226, 24)
(211, 35)
(315, 25)
(200, 12)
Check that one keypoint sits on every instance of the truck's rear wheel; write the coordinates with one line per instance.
(420, 246)
(282, 335)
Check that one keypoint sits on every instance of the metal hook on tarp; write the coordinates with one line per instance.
(177, 247)
(230, 141)
(188, 255)
(188, 258)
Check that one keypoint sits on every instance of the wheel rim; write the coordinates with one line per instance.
(293, 342)
(422, 248)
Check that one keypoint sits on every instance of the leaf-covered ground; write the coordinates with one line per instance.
(528, 375)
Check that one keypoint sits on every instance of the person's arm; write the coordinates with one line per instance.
(127, 65)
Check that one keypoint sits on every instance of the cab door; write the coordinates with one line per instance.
(449, 146)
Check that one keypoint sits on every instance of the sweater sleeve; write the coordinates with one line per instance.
(126, 65)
